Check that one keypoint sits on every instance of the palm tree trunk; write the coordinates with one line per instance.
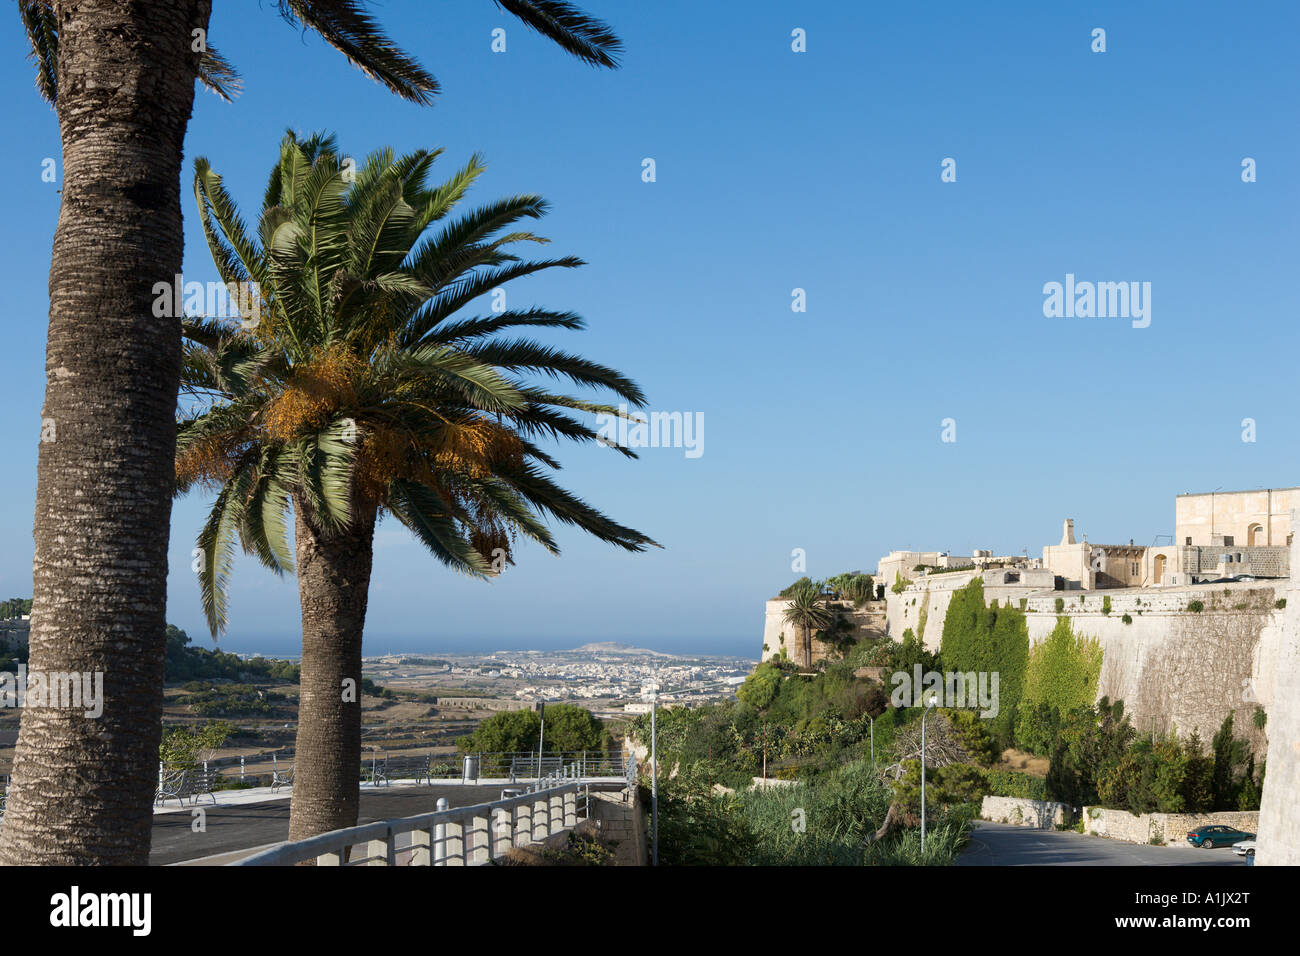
(333, 582)
(82, 788)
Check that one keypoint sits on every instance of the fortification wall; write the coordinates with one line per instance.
(1175, 669)
(869, 621)
(1279, 812)
(1172, 667)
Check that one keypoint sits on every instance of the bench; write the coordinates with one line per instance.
(200, 784)
(181, 783)
(281, 778)
(171, 784)
(383, 772)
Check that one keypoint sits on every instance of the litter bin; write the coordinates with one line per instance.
(470, 772)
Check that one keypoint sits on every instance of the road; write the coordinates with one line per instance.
(1001, 844)
(243, 826)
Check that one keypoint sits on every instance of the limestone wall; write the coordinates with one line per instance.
(1040, 814)
(1172, 667)
(1169, 829)
(869, 621)
(1175, 669)
(1279, 815)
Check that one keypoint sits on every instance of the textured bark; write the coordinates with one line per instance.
(333, 581)
(83, 788)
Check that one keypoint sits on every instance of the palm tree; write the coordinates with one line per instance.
(362, 391)
(808, 612)
(121, 77)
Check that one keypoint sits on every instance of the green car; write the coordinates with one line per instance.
(1217, 835)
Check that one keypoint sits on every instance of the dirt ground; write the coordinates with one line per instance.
(1018, 760)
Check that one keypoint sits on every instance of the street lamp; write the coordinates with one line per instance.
(650, 692)
(934, 699)
(541, 739)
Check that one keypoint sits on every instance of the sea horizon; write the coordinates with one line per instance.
(291, 647)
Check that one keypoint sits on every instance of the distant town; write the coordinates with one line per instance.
(608, 678)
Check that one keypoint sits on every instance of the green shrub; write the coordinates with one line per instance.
(1063, 670)
(1013, 783)
(1127, 618)
(1060, 605)
(1196, 607)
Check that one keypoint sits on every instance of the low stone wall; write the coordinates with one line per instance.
(1040, 814)
(1169, 829)
(481, 703)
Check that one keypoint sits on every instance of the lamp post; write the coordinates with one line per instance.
(934, 699)
(541, 739)
(651, 692)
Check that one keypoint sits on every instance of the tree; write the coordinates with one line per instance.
(1229, 753)
(760, 691)
(569, 729)
(121, 77)
(362, 390)
(988, 639)
(807, 612)
(573, 729)
(511, 731)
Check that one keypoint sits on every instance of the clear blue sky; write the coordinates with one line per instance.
(779, 170)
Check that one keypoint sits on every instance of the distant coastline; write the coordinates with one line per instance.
(288, 647)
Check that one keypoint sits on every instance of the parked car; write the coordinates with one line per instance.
(1245, 848)
(1216, 835)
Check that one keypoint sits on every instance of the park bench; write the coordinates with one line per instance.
(383, 772)
(201, 784)
(180, 783)
(281, 778)
(171, 785)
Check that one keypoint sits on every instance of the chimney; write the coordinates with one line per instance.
(1068, 536)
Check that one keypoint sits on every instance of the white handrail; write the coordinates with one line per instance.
(461, 836)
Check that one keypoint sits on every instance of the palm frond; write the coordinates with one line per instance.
(216, 544)
(265, 530)
(219, 75)
(585, 37)
(522, 354)
(428, 517)
(547, 496)
(43, 36)
(345, 26)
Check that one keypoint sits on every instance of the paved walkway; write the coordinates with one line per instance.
(1002, 844)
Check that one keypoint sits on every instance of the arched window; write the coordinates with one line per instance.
(1254, 535)
(1158, 575)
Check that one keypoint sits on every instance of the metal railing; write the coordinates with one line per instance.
(384, 768)
(463, 836)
